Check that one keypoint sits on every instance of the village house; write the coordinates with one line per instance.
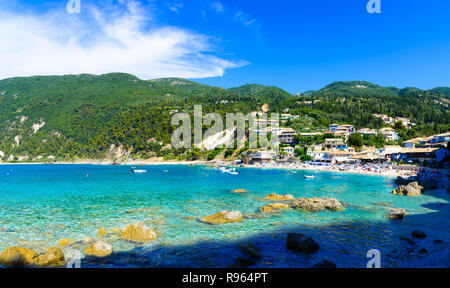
(335, 143)
(285, 135)
(389, 134)
(262, 157)
(367, 131)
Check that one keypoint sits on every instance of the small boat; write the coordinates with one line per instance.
(138, 171)
(223, 169)
(310, 176)
(293, 172)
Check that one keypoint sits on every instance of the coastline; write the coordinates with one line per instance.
(158, 162)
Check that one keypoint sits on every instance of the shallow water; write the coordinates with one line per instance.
(41, 204)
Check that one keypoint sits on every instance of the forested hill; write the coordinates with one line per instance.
(78, 116)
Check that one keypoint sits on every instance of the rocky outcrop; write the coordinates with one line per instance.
(397, 213)
(99, 249)
(17, 257)
(274, 207)
(54, 257)
(301, 243)
(318, 204)
(412, 189)
(223, 217)
(138, 232)
(276, 197)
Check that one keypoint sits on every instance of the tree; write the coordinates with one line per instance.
(355, 140)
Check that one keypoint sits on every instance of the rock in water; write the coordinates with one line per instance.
(17, 257)
(53, 257)
(301, 243)
(318, 204)
(99, 249)
(239, 191)
(274, 207)
(138, 232)
(412, 189)
(66, 242)
(397, 213)
(325, 264)
(223, 217)
(418, 234)
(276, 197)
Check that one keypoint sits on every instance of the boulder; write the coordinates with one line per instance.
(54, 257)
(276, 197)
(404, 181)
(99, 249)
(223, 217)
(17, 257)
(301, 243)
(250, 250)
(318, 204)
(138, 232)
(397, 213)
(418, 234)
(325, 264)
(412, 189)
(274, 207)
(410, 242)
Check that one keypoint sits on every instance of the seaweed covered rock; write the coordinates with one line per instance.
(318, 204)
(138, 232)
(17, 257)
(276, 197)
(223, 217)
(53, 257)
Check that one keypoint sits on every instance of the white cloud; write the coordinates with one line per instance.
(244, 18)
(217, 6)
(175, 7)
(100, 42)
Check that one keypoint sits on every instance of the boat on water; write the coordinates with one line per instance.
(310, 176)
(223, 169)
(138, 171)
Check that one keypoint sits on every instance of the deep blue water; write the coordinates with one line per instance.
(41, 204)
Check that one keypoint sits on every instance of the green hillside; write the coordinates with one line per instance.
(82, 116)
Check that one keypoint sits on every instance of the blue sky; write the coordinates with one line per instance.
(296, 45)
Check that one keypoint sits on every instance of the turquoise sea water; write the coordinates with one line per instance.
(41, 204)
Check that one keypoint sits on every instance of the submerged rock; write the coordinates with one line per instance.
(53, 257)
(325, 264)
(17, 257)
(412, 189)
(318, 204)
(397, 213)
(418, 234)
(223, 217)
(138, 232)
(250, 250)
(66, 242)
(99, 249)
(239, 191)
(276, 197)
(301, 243)
(274, 207)
(410, 242)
